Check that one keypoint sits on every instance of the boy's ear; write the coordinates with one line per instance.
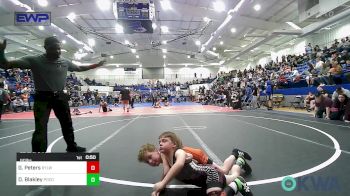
(174, 145)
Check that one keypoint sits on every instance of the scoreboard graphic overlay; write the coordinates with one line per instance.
(58, 169)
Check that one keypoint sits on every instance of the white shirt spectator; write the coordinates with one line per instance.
(17, 102)
(308, 49)
(25, 103)
(295, 73)
(319, 65)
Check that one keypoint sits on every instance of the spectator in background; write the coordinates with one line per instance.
(334, 71)
(345, 56)
(338, 91)
(339, 107)
(154, 98)
(343, 45)
(248, 93)
(323, 105)
(309, 102)
(132, 100)
(4, 98)
(336, 68)
(319, 64)
(308, 50)
(256, 93)
(17, 103)
(25, 97)
(125, 97)
(31, 101)
(116, 100)
(269, 93)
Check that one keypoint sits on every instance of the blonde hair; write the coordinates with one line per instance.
(143, 150)
(173, 137)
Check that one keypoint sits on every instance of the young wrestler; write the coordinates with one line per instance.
(150, 155)
(166, 101)
(77, 112)
(104, 106)
(177, 165)
(157, 104)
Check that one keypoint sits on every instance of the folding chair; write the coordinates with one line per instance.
(297, 102)
(277, 99)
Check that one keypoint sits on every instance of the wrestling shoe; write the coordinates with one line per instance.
(244, 165)
(75, 149)
(243, 187)
(240, 153)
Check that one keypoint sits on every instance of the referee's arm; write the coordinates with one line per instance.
(74, 67)
(22, 63)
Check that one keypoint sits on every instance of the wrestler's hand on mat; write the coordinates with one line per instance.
(158, 186)
(155, 193)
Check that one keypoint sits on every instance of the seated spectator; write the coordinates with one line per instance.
(322, 105)
(319, 64)
(25, 97)
(336, 68)
(343, 45)
(347, 68)
(339, 107)
(17, 103)
(309, 102)
(338, 91)
(344, 56)
(282, 81)
(237, 101)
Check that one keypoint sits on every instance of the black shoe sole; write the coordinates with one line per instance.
(245, 156)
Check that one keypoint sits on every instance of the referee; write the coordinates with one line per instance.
(49, 73)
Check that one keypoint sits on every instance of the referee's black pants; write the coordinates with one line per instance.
(1, 108)
(44, 102)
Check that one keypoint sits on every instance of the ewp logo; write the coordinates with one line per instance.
(32, 18)
(311, 183)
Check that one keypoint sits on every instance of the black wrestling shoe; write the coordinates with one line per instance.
(243, 187)
(247, 169)
(240, 153)
(76, 149)
(242, 163)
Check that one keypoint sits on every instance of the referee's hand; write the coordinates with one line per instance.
(101, 63)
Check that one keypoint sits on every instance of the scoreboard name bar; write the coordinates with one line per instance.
(34, 156)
